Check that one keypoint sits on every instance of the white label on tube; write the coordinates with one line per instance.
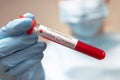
(56, 36)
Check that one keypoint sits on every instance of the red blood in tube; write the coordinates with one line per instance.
(90, 50)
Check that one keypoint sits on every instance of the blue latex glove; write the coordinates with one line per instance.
(20, 54)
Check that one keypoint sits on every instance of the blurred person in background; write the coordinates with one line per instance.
(86, 20)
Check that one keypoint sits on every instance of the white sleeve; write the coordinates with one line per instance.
(51, 62)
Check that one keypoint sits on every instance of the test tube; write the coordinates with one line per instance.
(66, 40)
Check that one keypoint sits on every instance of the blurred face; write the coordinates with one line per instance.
(85, 17)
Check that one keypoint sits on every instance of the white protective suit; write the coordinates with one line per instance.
(62, 63)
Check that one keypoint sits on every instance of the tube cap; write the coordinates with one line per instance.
(32, 27)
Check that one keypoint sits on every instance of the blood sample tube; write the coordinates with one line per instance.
(66, 40)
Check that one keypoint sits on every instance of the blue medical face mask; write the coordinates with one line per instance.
(83, 20)
(86, 28)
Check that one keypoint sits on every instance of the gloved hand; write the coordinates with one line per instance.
(20, 53)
